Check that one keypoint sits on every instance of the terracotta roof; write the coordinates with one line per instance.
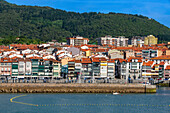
(149, 63)
(95, 60)
(163, 57)
(86, 60)
(85, 49)
(100, 50)
(167, 67)
(6, 60)
(161, 63)
(130, 59)
(155, 65)
(111, 61)
(122, 60)
(35, 57)
(77, 61)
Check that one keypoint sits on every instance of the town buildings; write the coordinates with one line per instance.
(77, 41)
(137, 41)
(120, 41)
(150, 40)
(112, 59)
(107, 40)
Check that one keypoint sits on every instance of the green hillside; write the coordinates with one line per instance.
(46, 23)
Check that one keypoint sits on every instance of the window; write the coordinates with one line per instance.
(2, 69)
(9, 69)
(5, 69)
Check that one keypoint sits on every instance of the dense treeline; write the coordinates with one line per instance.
(19, 40)
(46, 23)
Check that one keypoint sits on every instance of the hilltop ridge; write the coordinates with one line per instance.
(47, 23)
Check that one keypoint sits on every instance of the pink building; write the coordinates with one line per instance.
(5, 67)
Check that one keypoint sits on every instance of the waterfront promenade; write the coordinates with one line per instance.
(75, 88)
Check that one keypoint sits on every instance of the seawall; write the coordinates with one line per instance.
(75, 88)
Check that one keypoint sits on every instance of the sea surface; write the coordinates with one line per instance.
(86, 103)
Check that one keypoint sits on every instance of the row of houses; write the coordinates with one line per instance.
(133, 68)
(32, 67)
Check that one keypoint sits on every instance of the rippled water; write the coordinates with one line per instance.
(87, 103)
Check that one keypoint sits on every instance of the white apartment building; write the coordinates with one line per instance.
(137, 41)
(77, 41)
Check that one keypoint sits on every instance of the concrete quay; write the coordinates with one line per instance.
(75, 88)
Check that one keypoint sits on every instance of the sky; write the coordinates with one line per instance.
(156, 9)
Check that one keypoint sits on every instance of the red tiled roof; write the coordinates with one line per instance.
(77, 61)
(161, 63)
(86, 60)
(149, 63)
(130, 59)
(111, 61)
(35, 57)
(6, 60)
(163, 57)
(85, 50)
(155, 65)
(167, 67)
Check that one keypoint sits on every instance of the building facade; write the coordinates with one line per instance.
(77, 41)
(150, 40)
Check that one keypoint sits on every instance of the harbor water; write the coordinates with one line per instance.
(86, 103)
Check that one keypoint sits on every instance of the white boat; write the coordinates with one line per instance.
(115, 93)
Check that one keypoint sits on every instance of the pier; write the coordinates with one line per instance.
(75, 88)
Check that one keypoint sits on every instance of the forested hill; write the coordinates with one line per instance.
(47, 23)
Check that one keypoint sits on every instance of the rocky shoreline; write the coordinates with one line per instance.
(75, 88)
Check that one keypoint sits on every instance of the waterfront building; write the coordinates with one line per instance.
(21, 68)
(35, 65)
(14, 68)
(167, 72)
(146, 69)
(150, 40)
(135, 65)
(103, 68)
(121, 69)
(48, 63)
(41, 68)
(77, 41)
(56, 69)
(158, 70)
(86, 67)
(111, 68)
(28, 68)
(64, 71)
(78, 66)
(6, 67)
(96, 66)
(71, 69)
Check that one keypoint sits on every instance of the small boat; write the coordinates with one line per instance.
(115, 93)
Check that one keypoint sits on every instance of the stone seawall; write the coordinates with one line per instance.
(75, 88)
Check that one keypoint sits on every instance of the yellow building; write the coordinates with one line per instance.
(150, 40)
